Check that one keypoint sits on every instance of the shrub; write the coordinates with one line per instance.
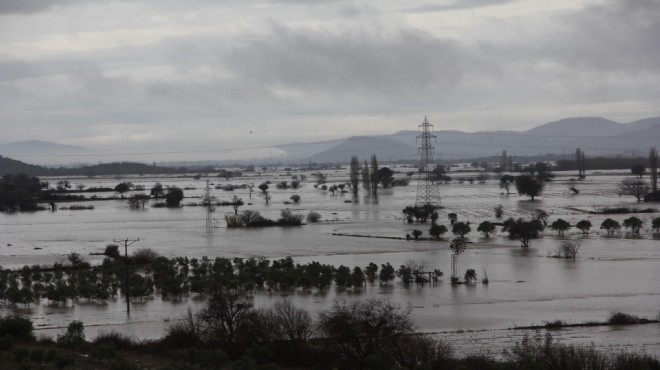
(115, 340)
(416, 233)
(17, 327)
(358, 329)
(20, 354)
(74, 337)
(460, 229)
(295, 198)
(288, 218)
(62, 361)
(112, 250)
(569, 249)
(6, 343)
(144, 256)
(313, 216)
(437, 231)
(620, 318)
(499, 211)
(470, 275)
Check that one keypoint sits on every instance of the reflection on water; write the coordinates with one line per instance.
(526, 287)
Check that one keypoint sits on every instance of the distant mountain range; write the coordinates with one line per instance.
(41, 148)
(594, 135)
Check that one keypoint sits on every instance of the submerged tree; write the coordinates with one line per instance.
(633, 223)
(560, 226)
(653, 168)
(584, 226)
(505, 182)
(522, 230)
(486, 227)
(610, 226)
(635, 187)
(529, 185)
(354, 174)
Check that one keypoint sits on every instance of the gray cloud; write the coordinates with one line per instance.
(456, 5)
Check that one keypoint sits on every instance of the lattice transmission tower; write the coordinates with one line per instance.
(207, 200)
(427, 191)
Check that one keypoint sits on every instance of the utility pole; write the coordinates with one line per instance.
(126, 243)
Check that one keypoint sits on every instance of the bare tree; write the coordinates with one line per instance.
(635, 187)
(224, 313)
(572, 185)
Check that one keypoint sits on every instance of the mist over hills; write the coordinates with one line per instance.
(594, 135)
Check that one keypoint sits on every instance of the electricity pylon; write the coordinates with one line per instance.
(208, 205)
(427, 191)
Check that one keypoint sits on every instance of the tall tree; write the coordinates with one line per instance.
(374, 178)
(354, 174)
(503, 161)
(653, 168)
(366, 178)
(580, 163)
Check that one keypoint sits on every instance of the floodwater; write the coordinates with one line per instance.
(617, 273)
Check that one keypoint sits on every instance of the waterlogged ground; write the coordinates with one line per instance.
(612, 273)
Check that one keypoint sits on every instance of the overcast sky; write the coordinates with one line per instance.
(164, 75)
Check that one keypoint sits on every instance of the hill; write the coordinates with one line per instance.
(364, 146)
(12, 166)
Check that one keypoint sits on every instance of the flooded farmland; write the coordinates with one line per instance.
(527, 287)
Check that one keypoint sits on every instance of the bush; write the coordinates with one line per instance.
(74, 337)
(6, 343)
(112, 251)
(115, 340)
(620, 318)
(144, 256)
(17, 327)
(288, 218)
(358, 329)
(20, 354)
(569, 249)
(313, 216)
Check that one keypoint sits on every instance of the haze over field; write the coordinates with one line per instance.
(167, 77)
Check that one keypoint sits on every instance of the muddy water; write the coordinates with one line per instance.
(618, 273)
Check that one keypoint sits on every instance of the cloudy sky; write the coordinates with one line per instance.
(172, 75)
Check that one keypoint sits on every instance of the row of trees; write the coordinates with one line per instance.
(371, 175)
(148, 274)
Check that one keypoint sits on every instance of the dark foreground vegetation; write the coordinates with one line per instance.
(229, 333)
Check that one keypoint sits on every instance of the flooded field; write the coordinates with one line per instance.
(611, 273)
